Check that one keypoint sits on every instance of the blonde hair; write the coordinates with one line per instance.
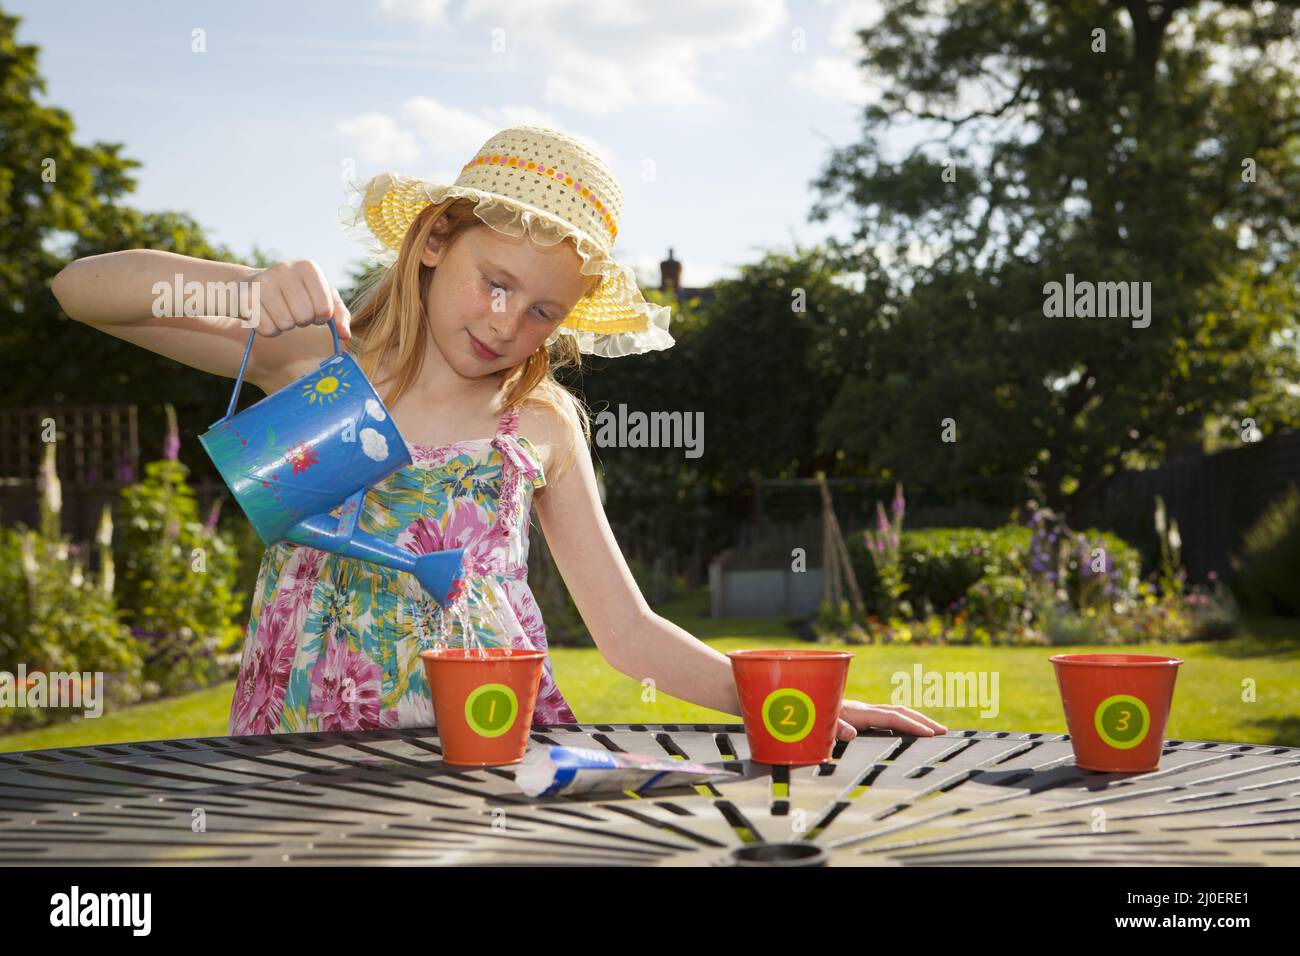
(389, 312)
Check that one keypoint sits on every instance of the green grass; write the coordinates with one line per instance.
(1208, 701)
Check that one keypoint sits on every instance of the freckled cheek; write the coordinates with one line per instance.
(466, 304)
(538, 333)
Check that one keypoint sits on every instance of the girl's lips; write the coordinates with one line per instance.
(481, 349)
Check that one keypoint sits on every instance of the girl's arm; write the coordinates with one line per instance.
(629, 634)
(118, 293)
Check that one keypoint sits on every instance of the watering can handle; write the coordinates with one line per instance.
(239, 381)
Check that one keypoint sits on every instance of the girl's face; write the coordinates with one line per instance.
(494, 299)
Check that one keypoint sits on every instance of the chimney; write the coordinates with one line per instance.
(670, 274)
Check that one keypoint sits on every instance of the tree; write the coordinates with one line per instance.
(61, 201)
(1101, 145)
(759, 362)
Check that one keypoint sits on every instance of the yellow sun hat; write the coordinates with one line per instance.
(550, 185)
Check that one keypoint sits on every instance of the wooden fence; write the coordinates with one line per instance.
(97, 452)
(1215, 499)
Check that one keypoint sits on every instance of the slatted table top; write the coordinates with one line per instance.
(386, 797)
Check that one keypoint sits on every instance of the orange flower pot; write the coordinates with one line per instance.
(483, 702)
(1116, 708)
(790, 701)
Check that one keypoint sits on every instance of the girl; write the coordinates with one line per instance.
(489, 281)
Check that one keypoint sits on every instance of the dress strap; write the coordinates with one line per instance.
(516, 466)
(509, 422)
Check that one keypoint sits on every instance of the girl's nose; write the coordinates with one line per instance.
(505, 325)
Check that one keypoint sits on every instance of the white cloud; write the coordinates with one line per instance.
(449, 133)
(374, 445)
(838, 76)
(432, 12)
(602, 58)
(380, 140)
(452, 136)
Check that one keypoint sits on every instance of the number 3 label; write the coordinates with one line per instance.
(1122, 721)
(789, 714)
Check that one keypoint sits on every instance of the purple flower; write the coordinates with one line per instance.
(899, 501)
(212, 515)
(172, 444)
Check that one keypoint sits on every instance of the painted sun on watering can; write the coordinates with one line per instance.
(326, 387)
(300, 462)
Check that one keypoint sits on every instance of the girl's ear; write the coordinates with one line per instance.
(435, 246)
(432, 251)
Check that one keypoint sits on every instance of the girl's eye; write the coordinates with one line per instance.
(494, 285)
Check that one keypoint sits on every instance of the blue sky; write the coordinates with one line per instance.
(734, 105)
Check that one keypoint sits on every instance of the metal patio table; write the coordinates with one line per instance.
(386, 797)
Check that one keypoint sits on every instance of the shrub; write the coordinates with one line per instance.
(940, 565)
(998, 600)
(249, 550)
(177, 583)
(54, 616)
(1268, 572)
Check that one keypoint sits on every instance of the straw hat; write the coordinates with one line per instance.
(532, 179)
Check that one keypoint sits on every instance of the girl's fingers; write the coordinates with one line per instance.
(318, 291)
(897, 721)
(893, 717)
(916, 715)
(845, 730)
(276, 317)
(342, 317)
(299, 294)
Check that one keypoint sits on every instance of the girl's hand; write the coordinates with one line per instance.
(855, 716)
(297, 293)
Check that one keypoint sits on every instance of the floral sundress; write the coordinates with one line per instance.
(333, 643)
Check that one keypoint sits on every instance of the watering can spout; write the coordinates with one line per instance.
(441, 573)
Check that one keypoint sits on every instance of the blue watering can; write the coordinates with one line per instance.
(318, 444)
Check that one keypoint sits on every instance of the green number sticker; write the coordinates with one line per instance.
(788, 714)
(1122, 721)
(491, 709)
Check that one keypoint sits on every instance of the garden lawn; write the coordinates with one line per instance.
(1208, 702)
